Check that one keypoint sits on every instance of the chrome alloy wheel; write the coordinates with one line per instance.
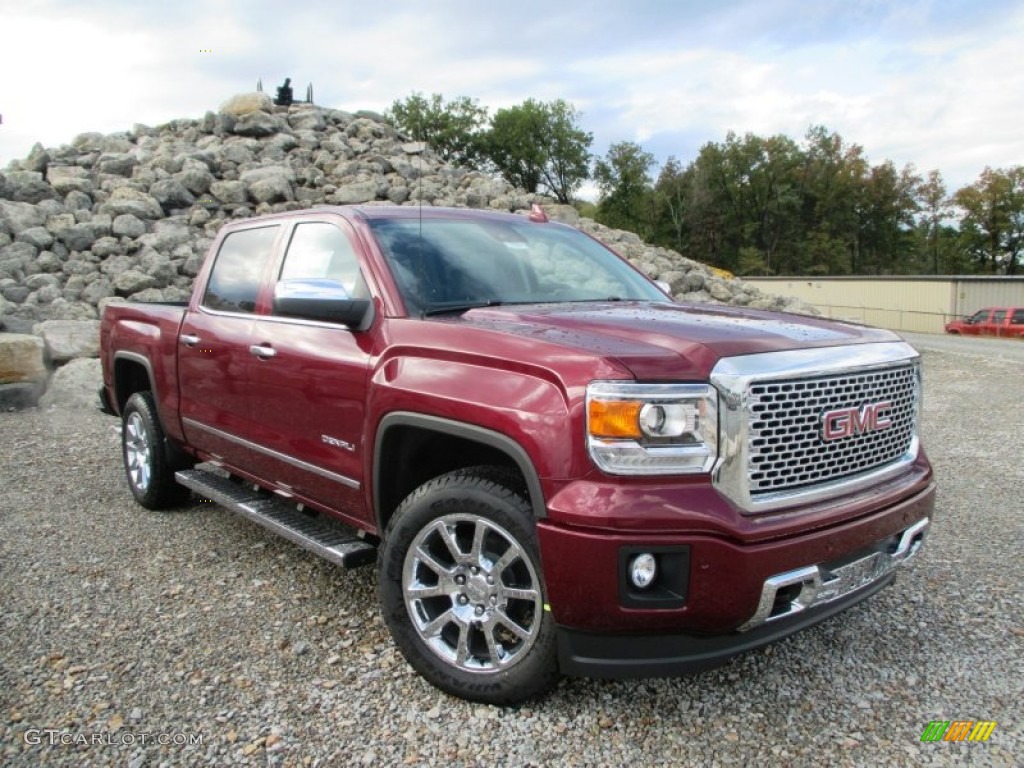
(472, 593)
(139, 460)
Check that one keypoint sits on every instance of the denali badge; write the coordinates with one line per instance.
(849, 422)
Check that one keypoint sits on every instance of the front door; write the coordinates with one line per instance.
(308, 380)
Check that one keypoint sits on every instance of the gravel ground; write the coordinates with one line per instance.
(131, 627)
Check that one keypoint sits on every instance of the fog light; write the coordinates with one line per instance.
(642, 570)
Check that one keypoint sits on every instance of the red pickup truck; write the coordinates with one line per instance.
(556, 468)
(992, 321)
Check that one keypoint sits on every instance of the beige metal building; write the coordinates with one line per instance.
(918, 304)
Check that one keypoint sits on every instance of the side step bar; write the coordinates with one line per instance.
(323, 537)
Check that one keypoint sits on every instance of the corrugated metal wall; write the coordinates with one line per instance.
(917, 304)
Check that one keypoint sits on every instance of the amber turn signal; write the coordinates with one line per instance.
(615, 418)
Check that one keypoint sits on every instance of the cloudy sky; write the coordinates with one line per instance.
(936, 83)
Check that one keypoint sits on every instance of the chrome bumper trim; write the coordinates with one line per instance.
(820, 584)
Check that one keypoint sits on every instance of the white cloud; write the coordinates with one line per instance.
(924, 82)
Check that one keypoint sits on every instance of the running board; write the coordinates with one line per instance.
(322, 537)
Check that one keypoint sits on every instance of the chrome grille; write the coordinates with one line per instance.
(785, 447)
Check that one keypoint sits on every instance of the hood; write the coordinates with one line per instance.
(668, 341)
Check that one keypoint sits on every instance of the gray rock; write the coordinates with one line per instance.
(69, 339)
(259, 124)
(195, 177)
(127, 200)
(48, 261)
(77, 237)
(97, 290)
(20, 216)
(75, 385)
(359, 192)
(128, 225)
(68, 178)
(21, 359)
(270, 184)
(76, 200)
(171, 193)
(39, 237)
(38, 159)
(28, 187)
(148, 295)
(229, 191)
(132, 281)
(119, 163)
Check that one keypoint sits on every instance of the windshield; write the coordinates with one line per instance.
(442, 264)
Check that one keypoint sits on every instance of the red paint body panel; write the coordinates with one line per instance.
(520, 372)
(992, 321)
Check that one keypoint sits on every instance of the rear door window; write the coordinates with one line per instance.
(238, 271)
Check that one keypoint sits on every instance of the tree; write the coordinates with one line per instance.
(537, 145)
(992, 226)
(453, 129)
(625, 183)
(934, 209)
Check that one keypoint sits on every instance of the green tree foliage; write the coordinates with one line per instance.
(992, 227)
(540, 147)
(627, 199)
(453, 129)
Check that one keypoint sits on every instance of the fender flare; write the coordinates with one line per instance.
(471, 432)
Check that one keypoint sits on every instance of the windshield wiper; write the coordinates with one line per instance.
(449, 307)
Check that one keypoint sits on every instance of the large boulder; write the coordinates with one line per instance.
(75, 385)
(20, 216)
(66, 340)
(271, 184)
(28, 187)
(247, 103)
(68, 178)
(21, 359)
(128, 200)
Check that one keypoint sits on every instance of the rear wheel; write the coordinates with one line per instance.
(461, 588)
(149, 461)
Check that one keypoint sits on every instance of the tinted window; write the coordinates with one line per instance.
(442, 262)
(1018, 317)
(320, 250)
(978, 317)
(238, 271)
(999, 316)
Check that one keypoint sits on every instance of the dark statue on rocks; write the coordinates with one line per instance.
(285, 96)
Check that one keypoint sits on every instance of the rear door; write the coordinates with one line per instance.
(213, 345)
(309, 378)
(1016, 327)
(994, 326)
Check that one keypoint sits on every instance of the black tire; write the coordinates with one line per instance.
(149, 460)
(482, 603)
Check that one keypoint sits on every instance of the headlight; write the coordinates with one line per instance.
(652, 429)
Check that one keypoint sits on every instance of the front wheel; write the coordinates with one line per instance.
(149, 462)
(461, 589)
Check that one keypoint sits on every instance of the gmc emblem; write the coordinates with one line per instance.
(849, 422)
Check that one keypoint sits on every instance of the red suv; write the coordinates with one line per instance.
(993, 321)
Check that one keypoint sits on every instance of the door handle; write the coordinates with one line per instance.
(189, 340)
(262, 352)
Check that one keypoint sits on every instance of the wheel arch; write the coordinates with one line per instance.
(132, 373)
(403, 437)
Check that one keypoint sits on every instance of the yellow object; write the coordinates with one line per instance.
(615, 418)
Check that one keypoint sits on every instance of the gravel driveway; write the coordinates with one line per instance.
(122, 628)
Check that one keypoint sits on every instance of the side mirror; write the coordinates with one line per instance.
(319, 299)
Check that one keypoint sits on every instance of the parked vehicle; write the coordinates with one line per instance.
(992, 321)
(556, 468)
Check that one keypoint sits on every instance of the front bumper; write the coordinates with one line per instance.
(587, 654)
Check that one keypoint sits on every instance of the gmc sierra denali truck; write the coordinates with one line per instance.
(555, 467)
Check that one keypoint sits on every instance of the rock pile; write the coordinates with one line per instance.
(132, 214)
